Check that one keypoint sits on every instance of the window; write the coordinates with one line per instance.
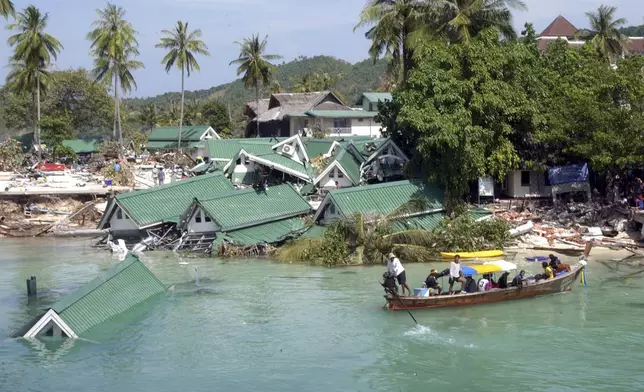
(239, 161)
(246, 160)
(332, 173)
(504, 184)
(198, 217)
(119, 214)
(525, 178)
(340, 174)
(340, 125)
(332, 209)
(306, 123)
(360, 119)
(371, 106)
(207, 218)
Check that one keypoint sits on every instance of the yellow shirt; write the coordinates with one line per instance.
(549, 272)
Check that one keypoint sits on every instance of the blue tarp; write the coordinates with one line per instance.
(568, 174)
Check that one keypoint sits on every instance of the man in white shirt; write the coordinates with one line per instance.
(395, 268)
(455, 273)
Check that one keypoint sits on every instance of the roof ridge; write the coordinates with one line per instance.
(242, 192)
(167, 186)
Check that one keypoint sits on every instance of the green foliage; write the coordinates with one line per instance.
(215, 114)
(109, 149)
(54, 131)
(463, 234)
(334, 249)
(633, 31)
(123, 177)
(138, 138)
(354, 80)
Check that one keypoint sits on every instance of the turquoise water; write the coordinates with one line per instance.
(260, 326)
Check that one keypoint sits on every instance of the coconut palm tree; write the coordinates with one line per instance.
(6, 8)
(254, 64)
(182, 47)
(391, 25)
(149, 117)
(33, 52)
(604, 34)
(114, 46)
(460, 20)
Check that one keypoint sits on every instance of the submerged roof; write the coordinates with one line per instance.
(560, 27)
(383, 198)
(114, 291)
(166, 203)
(189, 133)
(252, 207)
(269, 233)
(83, 146)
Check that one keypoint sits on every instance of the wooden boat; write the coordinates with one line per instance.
(561, 283)
(484, 254)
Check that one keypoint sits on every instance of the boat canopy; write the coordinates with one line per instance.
(488, 268)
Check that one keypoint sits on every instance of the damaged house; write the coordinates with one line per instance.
(133, 214)
(246, 217)
(116, 290)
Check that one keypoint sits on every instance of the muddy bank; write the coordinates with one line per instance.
(28, 216)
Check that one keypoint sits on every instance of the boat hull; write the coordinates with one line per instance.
(473, 255)
(557, 285)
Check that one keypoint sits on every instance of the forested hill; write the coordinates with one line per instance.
(633, 31)
(353, 80)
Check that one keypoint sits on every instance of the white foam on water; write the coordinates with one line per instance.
(426, 334)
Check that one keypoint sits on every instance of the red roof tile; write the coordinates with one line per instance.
(560, 27)
(636, 45)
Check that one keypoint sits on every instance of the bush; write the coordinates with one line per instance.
(123, 177)
(463, 234)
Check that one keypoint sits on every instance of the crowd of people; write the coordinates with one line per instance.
(468, 284)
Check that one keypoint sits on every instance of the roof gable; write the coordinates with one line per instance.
(251, 207)
(382, 198)
(560, 27)
(348, 163)
(114, 291)
(166, 203)
(296, 143)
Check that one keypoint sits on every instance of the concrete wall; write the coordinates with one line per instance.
(201, 223)
(534, 187)
(120, 222)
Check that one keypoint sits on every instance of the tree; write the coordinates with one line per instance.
(604, 34)
(216, 115)
(254, 64)
(460, 20)
(462, 109)
(33, 52)
(114, 45)
(182, 47)
(6, 8)
(149, 117)
(55, 131)
(392, 23)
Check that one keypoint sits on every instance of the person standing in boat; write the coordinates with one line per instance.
(455, 273)
(395, 268)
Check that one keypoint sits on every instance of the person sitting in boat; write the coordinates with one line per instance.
(554, 261)
(547, 271)
(485, 284)
(561, 267)
(394, 267)
(455, 274)
(432, 283)
(518, 280)
(470, 285)
(503, 280)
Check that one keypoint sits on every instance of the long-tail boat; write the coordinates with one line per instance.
(561, 283)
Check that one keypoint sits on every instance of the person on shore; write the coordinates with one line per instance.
(432, 283)
(161, 176)
(548, 273)
(518, 280)
(503, 280)
(456, 274)
(395, 268)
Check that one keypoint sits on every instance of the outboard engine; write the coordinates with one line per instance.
(389, 283)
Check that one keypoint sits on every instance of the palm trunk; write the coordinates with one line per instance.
(37, 134)
(257, 105)
(181, 111)
(118, 119)
(116, 110)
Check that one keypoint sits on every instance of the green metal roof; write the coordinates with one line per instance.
(114, 291)
(375, 97)
(83, 146)
(279, 159)
(314, 231)
(341, 113)
(188, 133)
(350, 164)
(166, 203)
(252, 207)
(229, 148)
(384, 198)
(479, 213)
(317, 147)
(26, 141)
(169, 145)
(423, 222)
(270, 233)
(362, 144)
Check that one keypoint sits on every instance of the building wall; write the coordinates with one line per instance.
(328, 181)
(244, 172)
(365, 127)
(120, 222)
(329, 214)
(534, 187)
(201, 223)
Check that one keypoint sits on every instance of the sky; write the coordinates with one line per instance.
(294, 28)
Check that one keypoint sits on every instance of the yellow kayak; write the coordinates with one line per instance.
(484, 254)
